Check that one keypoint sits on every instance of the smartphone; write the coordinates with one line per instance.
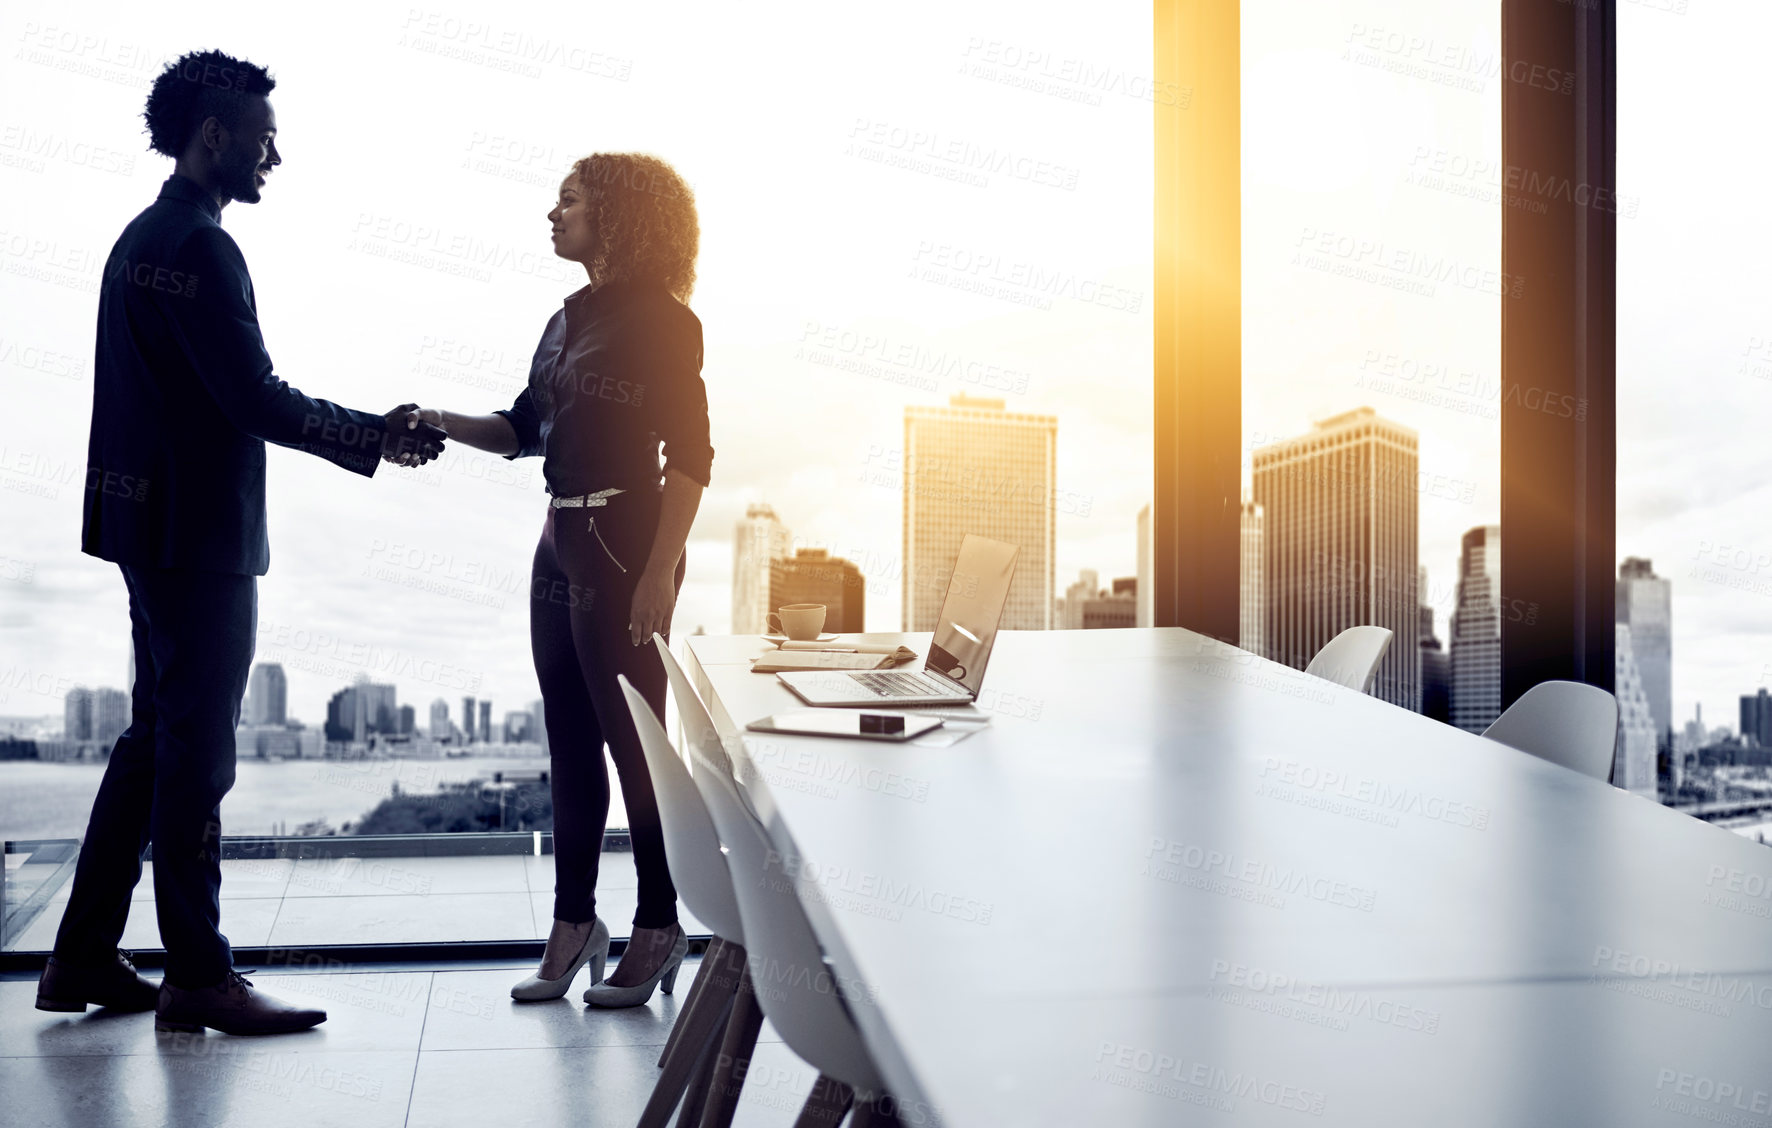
(852, 723)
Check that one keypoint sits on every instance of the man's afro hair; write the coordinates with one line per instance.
(196, 87)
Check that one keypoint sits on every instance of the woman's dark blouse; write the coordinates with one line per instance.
(618, 371)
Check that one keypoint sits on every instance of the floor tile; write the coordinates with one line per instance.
(39, 935)
(225, 1084)
(474, 1010)
(484, 1059)
(380, 877)
(245, 921)
(614, 871)
(616, 907)
(374, 1011)
(404, 919)
(586, 1087)
(241, 878)
(775, 1088)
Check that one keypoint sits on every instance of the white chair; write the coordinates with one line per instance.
(785, 966)
(1351, 658)
(1565, 722)
(698, 870)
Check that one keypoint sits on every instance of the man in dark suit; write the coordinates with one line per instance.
(184, 400)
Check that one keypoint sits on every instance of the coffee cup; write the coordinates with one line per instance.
(801, 622)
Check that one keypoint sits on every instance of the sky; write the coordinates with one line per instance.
(858, 180)
(400, 254)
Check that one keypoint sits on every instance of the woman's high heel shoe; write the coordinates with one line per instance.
(595, 952)
(603, 995)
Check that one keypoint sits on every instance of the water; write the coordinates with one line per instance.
(39, 800)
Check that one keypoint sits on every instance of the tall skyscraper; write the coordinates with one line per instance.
(1756, 718)
(972, 467)
(362, 708)
(110, 714)
(758, 541)
(1633, 757)
(541, 724)
(1339, 519)
(1251, 587)
(342, 714)
(77, 714)
(1068, 616)
(1645, 604)
(440, 719)
(813, 575)
(267, 695)
(485, 726)
(1476, 631)
(1147, 570)
(1436, 664)
(381, 712)
(467, 720)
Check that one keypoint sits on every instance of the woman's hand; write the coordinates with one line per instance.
(432, 415)
(654, 599)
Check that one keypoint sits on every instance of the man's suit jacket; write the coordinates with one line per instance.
(184, 399)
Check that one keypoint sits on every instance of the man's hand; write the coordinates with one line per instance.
(413, 436)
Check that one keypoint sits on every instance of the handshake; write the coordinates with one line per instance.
(414, 435)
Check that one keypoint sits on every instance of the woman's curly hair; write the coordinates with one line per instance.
(643, 216)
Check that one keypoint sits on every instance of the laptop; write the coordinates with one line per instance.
(964, 633)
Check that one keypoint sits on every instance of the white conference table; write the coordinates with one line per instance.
(1172, 882)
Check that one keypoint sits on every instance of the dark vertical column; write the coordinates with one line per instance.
(1199, 316)
(1558, 427)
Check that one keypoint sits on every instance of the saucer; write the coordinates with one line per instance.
(780, 638)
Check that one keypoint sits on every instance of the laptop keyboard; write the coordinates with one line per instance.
(902, 684)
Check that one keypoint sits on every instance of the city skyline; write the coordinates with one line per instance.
(1472, 624)
(822, 368)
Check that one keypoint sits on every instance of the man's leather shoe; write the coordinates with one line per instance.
(232, 1007)
(72, 987)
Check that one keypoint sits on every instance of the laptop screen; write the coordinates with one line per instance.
(967, 625)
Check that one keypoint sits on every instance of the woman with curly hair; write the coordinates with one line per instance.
(617, 374)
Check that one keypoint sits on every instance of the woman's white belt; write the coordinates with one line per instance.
(584, 501)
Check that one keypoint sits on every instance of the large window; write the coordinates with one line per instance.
(1372, 294)
(1694, 380)
(895, 212)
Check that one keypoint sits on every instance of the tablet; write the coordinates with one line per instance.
(857, 724)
